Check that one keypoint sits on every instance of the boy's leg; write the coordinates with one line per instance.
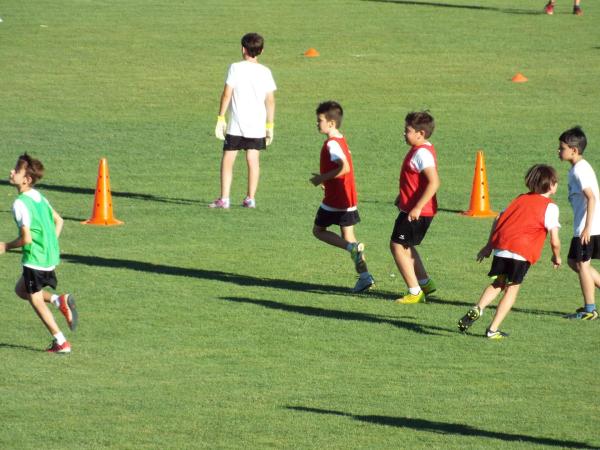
(252, 160)
(39, 306)
(227, 162)
(587, 282)
(487, 296)
(405, 261)
(329, 237)
(505, 305)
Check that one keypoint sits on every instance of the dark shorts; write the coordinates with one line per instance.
(512, 270)
(241, 143)
(582, 253)
(36, 280)
(410, 233)
(326, 218)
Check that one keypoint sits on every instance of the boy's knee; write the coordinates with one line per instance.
(574, 265)
(317, 231)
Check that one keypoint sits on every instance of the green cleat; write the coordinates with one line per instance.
(429, 287)
(495, 334)
(410, 299)
(471, 316)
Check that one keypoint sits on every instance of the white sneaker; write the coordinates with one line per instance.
(364, 284)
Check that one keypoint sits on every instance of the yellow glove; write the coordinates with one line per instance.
(221, 128)
(269, 137)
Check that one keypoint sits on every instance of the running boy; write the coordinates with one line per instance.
(584, 199)
(39, 227)
(249, 97)
(339, 206)
(419, 181)
(549, 8)
(517, 239)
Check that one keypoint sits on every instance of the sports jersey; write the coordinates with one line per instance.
(340, 192)
(582, 176)
(413, 181)
(251, 82)
(32, 210)
(522, 227)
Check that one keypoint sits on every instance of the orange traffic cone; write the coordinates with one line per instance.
(102, 213)
(480, 203)
(519, 78)
(311, 53)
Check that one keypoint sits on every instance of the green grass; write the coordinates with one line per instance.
(236, 329)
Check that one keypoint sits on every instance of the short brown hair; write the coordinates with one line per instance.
(253, 43)
(34, 168)
(332, 111)
(421, 121)
(540, 178)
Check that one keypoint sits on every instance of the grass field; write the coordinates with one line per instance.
(236, 329)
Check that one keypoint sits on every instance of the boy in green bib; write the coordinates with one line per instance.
(39, 227)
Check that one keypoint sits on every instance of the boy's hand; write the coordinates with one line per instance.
(585, 236)
(2, 247)
(485, 252)
(221, 128)
(316, 179)
(556, 261)
(414, 214)
(269, 131)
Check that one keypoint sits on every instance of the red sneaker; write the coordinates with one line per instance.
(60, 349)
(549, 8)
(67, 308)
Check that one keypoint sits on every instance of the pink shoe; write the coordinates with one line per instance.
(549, 8)
(60, 349)
(249, 203)
(219, 203)
(67, 308)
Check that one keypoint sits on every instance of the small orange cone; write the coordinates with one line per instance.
(519, 78)
(311, 53)
(480, 203)
(102, 213)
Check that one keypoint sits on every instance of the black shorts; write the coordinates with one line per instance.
(326, 218)
(410, 233)
(582, 253)
(241, 143)
(513, 270)
(36, 280)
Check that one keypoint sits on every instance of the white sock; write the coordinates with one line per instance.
(414, 290)
(54, 300)
(423, 282)
(59, 338)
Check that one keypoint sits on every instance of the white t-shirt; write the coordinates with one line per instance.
(422, 159)
(251, 82)
(550, 222)
(582, 176)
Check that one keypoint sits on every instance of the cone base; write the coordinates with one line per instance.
(487, 213)
(103, 222)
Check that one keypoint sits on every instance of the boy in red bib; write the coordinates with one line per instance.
(517, 239)
(419, 181)
(339, 206)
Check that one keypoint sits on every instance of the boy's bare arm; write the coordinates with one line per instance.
(342, 169)
(270, 106)
(58, 223)
(486, 250)
(591, 206)
(23, 239)
(225, 99)
(433, 184)
(555, 246)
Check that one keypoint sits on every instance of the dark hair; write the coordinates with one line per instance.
(332, 111)
(574, 138)
(253, 43)
(540, 178)
(421, 121)
(34, 168)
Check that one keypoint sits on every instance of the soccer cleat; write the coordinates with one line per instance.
(582, 314)
(495, 334)
(411, 299)
(220, 203)
(471, 316)
(577, 10)
(67, 308)
(549, 8)
(364, 284)
(429, 287)
(249, 203)
(59, 349)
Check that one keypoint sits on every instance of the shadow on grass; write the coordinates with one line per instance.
(539, 312)
(20, 347)
(130, 195)
(455, 6)
(341, 315)
(445, 428)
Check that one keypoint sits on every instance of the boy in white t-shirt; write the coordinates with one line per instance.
(249, 97)
(584, 199)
